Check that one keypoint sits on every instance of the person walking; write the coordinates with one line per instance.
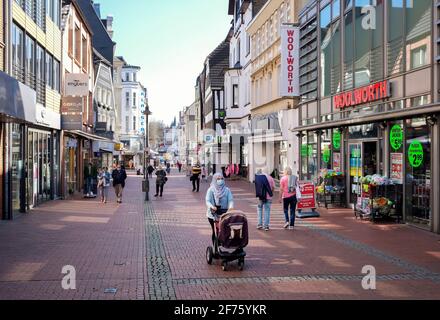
(218, 199)
(103, 184)
(168, 168)
(179, 166)
(195, 178)
(288, 185)
(150, 171)
(160, 181)
(119, 175)
(264, 188)
(90, 173)
(204, 175)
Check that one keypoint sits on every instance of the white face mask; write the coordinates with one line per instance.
(220, 183)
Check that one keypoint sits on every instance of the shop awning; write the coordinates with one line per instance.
(420, 111)
(87, 135)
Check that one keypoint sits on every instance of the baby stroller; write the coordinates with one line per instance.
(231, 237)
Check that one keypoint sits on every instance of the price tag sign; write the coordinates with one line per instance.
(396, 137)
(326, 155)
(415, 154)
(336, 140)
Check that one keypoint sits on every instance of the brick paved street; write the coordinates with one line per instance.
(158, 252)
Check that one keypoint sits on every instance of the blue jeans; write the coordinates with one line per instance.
(290, 202)
(264, 206)
(89, 185)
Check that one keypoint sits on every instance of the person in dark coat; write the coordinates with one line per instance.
(160, 181)
(119, 176)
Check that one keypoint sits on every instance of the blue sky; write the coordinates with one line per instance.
(169, 40)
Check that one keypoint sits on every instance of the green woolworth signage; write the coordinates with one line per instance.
(306, 150)
(396, 137)
(415, 154)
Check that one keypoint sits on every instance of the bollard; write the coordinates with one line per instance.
(146, 188)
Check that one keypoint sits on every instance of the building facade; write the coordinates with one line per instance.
(212, 104)
(370, 99)
(134, 102)
(273, 147)
(77, 107)
(30, 123)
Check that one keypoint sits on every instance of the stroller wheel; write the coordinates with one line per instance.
(224, 265)
(241, 265)
(209, 255)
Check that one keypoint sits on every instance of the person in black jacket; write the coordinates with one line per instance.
(119, 176)
(160, 181)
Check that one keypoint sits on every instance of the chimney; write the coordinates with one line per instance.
(109, 25)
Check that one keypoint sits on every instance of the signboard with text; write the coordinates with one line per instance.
(77, 84)
(397, 167)
(71, 113)
(308, 199)
(363, 95)
(289, 61)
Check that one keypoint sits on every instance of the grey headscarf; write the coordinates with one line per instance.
(219, 191)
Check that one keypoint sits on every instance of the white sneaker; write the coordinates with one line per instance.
(291, 228)
(259, 227)
(286, 225)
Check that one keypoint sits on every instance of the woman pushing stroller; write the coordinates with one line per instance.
(219, 200)
(229, 228)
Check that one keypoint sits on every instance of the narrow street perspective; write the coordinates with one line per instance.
(156, 251)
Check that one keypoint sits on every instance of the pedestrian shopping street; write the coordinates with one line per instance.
(156, 250)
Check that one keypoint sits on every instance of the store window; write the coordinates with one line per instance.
(312, 154)
(326, 154)
(326, 35)
(418, 32)
(16, 167)
(418, 172)
(348, 50)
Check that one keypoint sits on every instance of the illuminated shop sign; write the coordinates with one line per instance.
(371, 93)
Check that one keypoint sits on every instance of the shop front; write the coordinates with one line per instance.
(368, 117)
(17, 108)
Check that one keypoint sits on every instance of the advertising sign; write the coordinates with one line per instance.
(336, 140)
(370, 93)
(396, 137)
(337, 161)
(289, 61)
(397, 167)
(71, 113)
(307, 200)
(77, 84)
(326, 155)
(416, 154)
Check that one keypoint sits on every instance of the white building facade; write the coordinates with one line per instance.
(134, 101)
(237, 85)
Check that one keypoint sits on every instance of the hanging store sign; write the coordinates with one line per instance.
(71, 113)
(77, 84)
(396, 137)
(397, 167)
(371, 93)
(289, 61)
(416, 154)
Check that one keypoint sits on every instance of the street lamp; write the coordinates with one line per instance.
(147, 113)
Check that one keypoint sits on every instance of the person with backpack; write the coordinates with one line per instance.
(288, 196)
(264, 187)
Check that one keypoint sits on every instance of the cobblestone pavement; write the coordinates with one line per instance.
(157, 251)
(321, 259)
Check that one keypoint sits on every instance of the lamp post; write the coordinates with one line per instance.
(147, 113)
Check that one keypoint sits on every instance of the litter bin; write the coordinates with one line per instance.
(146, 189)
